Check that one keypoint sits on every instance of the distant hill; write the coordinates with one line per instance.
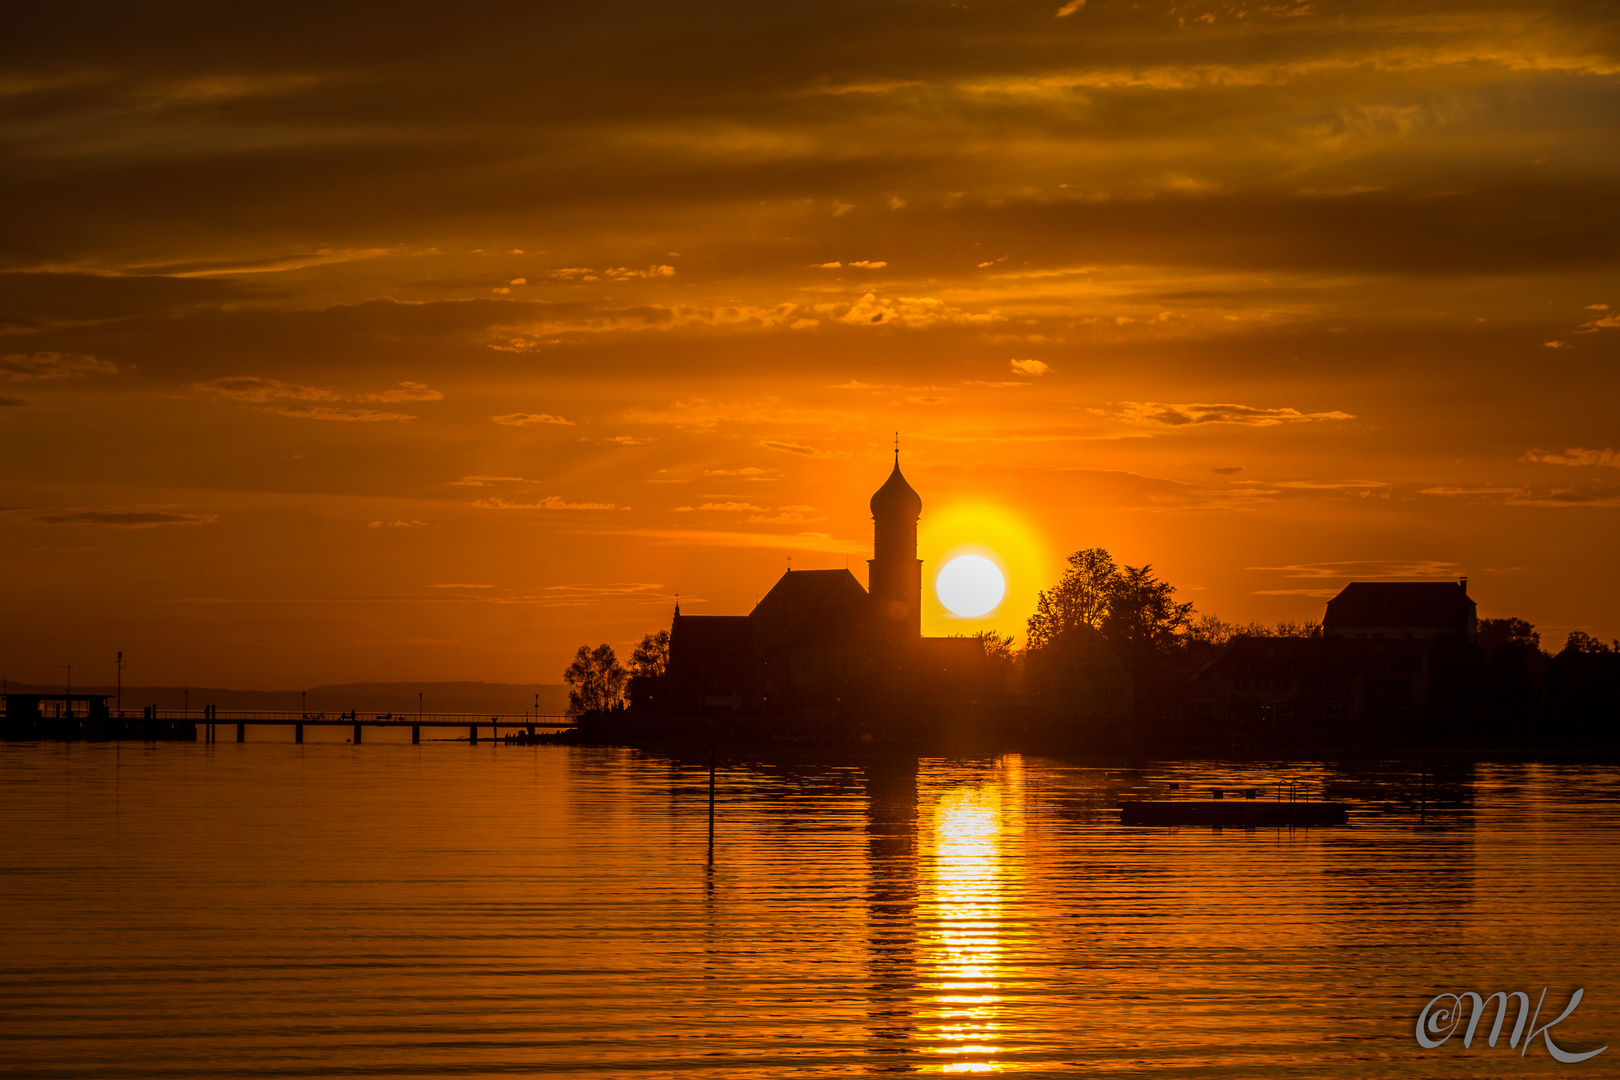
(454, 697)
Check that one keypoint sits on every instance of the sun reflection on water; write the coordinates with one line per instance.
(963, 953)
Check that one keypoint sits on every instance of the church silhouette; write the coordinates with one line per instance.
(820, 646)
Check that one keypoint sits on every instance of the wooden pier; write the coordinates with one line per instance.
(1233, 813)
(203, 725)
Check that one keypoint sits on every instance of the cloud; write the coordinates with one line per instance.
(1597, 307)
(915, 311)
(625, 274)
(726, 507)
(789, 515)
(356, 416)
(709, 538)
(1369, 568)
(40, 366)
(1574, 455)
(1556, 345)
(394, 524)
(750, 472)
(524, 419)
(840, 208)
(126, 519)
(584, 595)
(12, 403)
(1608, 322)
(1453, 491)
(865, 264)
(461, 586)
(1227, 470)
(1070, 8)
(1156, 413)
(487, 481)
(787, 447)
(1030, 367)
(629, 440)
(829, 266)
(409, 391)
(276, 396)
(253, 390)
(550, 502)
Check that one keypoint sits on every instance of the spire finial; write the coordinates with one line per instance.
(897, 448)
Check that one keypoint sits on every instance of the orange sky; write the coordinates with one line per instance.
(343, 346)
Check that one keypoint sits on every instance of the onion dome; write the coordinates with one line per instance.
(896, 500)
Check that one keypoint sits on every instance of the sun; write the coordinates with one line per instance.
(970, 586)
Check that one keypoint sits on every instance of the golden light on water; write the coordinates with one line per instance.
(965, 949)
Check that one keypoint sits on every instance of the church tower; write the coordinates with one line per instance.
(895, 573)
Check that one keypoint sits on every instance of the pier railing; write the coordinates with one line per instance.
(353, 716)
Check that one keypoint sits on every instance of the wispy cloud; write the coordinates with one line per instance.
(1574, 455)
(1160, 414)
(550, 502)
(127, 519)
(1368, 568)
(41, 366)
(408, 391)
(526, 419)
(282, 398)
(487, 481)
(1030, 367)
(731, 507)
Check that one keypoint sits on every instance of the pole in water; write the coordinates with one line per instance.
(711, 790)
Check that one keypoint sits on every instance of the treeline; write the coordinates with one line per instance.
(1503, 685)
(596, 679)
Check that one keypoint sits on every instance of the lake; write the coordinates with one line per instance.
(271, 909)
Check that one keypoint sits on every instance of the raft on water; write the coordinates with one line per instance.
(1232, 813)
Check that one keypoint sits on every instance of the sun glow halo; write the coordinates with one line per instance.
(970, 586)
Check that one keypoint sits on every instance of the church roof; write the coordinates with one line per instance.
(803, 600)
(1400, 603)
(896, 498)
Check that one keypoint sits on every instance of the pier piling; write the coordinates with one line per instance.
(298, 733)
(472, 734)
(241, 733)
(357, 734)
(416, 734)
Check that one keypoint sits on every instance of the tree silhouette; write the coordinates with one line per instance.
(651, 657)
(1082, 597)
(595, 681)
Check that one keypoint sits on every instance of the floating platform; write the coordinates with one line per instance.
(1233, 813)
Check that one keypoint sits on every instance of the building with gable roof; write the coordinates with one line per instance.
(1402, 611)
